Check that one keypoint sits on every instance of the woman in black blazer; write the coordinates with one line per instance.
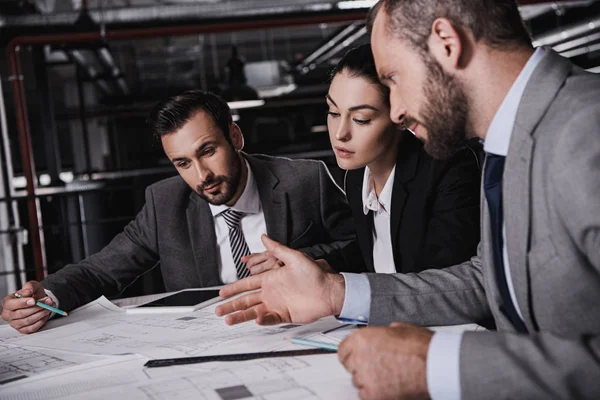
(411, 212)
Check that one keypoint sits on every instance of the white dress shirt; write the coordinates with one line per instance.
(383, 256)
(253, 226)
(443, 357)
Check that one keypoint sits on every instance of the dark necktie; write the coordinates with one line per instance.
(492, 185)
(239, 247)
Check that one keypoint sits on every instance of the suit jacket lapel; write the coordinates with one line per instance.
(541, 89)
(407, 162)
(273, 199)
(204, 243)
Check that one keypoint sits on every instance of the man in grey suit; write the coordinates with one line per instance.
(468, 66)
(203, 226)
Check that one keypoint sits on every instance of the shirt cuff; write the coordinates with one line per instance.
(52, 296)
(357, 301)
(443, 366)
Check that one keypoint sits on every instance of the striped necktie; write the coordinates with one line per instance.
(239, 247)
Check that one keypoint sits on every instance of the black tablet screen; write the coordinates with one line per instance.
(184, 299)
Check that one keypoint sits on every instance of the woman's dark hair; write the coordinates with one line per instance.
(359, 63)
(173, 113)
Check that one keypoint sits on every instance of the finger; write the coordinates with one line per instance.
(28, 289)
(241, 286)
(239, 304)
(356, 381)
(270, 319)
(48, 300)
(35, 327)
(26, 312)
(255, 259)
(242, 316)
(363, 393)
(268, 265)
(283, 253)
(345, 350)
(29, 320)
(12, 303)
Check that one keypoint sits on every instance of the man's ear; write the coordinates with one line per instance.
(237, 139)
(446, 44)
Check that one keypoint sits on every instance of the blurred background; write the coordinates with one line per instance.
(78, 79)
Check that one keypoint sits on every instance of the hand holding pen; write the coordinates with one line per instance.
(24, 313)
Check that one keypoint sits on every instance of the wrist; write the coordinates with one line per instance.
(337, 292)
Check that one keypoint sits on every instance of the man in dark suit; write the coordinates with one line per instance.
(434, 213)
(203, 226)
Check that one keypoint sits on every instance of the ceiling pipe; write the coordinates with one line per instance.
(337, 38)
(343, 45)
(573, 44)
(169, 12)
(562, 35)
(16, 78)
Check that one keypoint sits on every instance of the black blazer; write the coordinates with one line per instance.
(435, 212)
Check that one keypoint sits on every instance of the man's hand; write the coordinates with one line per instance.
(388, 362)
(299, 293)
(22, 314)
(324, 265)
(258, 263)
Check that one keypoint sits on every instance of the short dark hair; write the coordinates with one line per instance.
(171, 114)
(497, 23)
(359, 62)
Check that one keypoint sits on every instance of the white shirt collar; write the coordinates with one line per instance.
(249, 201)
(369, 197)
(500, 131)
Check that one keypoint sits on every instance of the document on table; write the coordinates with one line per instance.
(109, 330)
(19, 362)
(309, 377)
(8, 334)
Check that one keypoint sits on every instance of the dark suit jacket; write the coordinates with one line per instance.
(303, 209)
(435, 212)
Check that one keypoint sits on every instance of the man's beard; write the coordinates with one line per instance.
(445, 114)
(228, 190)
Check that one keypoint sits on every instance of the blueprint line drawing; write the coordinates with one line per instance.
(166, 335)
(318, 377)
(264, 380)
(18, 362)
(71, 389)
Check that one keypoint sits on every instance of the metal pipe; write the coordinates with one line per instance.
(342, 45)
(124, 34)
(563, 34)
(83, 120)
(328, 45)
(27, 160)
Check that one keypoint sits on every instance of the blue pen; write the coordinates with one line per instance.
(46, 306)
(314, 343)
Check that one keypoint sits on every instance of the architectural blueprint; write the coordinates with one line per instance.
(112, 331)
(310, 377)
(18, 362)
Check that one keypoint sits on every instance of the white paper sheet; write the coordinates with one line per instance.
(103, 328)
(18, 362)
(310, 377)
(8, 334)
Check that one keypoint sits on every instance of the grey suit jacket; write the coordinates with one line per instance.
(303, 209)
(551, 200)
